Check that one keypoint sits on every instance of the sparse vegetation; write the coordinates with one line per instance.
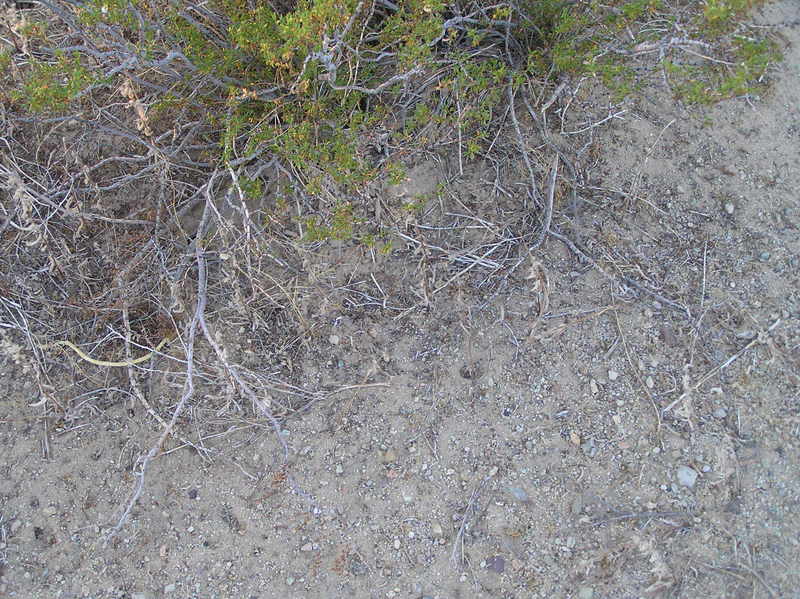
(162, 161)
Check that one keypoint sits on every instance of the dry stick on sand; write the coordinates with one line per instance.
(128, 361)
(624, 516)
(188, 391)
(734, 571)
(637, 178)
(233, 372)
(556, 330)
(547, 217)
(638, 375)
(762, 337)
(188, 388)
(547, 228)
(457, 555)
(257, 403)
(137, 390)
(739, 566)
(627, 280)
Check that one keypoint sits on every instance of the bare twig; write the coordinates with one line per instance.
(638, 375)
(457, 555)
(188, 392)
(627, 280)
(188, 389)
(621, 517)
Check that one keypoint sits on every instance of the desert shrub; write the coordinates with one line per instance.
(307, 82)
(293, 108)
(164, 159)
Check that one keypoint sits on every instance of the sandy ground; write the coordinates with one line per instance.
(603, 448)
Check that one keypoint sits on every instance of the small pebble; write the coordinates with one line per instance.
(496, 564)
(720, 413)
(613, 375)
(589, 448)
(593, 387)
(764, 256)
(334, 339)
(585, 593)
(339, 469)
(436, 530)
(687, 476)
(577, 504)
(307, 547)
(649, 382)
(729, 207)
(519, 493)
(397, 543)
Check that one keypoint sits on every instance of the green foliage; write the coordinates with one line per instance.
(416, 205)
(340, 229)
(252, 188)
(303, 84)
(308, 122)
(719, 15)
(577, 43)
(34, 30)
(576, 40)
(51, 86)
(753, 56)
(710, 84)
(203, 52)
(396, 173)
(107, 11)
(632, 11)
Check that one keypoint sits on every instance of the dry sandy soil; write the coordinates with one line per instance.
(566, 437)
